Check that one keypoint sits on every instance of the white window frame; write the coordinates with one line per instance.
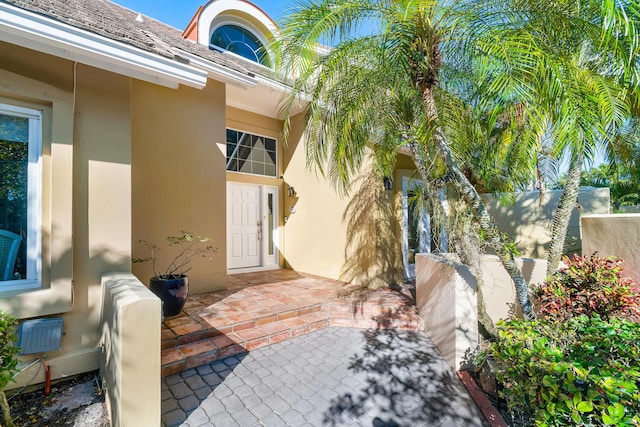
(34, 197)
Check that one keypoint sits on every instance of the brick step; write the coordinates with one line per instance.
(200, 347)
(210, 349)
(184, 330)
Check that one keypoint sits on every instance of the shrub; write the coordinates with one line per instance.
(583, 371)
(8, 349)
(588, 285)
(8, 361)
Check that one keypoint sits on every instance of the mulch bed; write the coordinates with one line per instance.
(77, 401)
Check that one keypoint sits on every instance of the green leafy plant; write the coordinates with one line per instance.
(583, 371)
(588, 285)
(8, 360)
(188, 247)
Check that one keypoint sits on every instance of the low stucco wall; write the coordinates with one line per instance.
(130, 364)
(527, 221)
(614, 235)
(447, 303)
(498, 290)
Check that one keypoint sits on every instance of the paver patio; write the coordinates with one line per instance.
(330, 377)
(264, 308)
(282, 348)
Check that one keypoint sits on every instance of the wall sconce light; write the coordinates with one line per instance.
(388, 183)
(291, 192)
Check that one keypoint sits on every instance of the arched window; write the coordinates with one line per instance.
(241, 42)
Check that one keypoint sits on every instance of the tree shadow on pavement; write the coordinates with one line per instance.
(408, 383)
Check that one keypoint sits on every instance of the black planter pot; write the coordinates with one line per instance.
(173, 291)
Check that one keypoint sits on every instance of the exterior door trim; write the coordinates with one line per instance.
(267, 228)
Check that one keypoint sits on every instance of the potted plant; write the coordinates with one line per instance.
(170, 283)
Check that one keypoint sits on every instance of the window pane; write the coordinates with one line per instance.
(270, 144)
(270, 170)
(232, 136)
(230, 149)
(241, 42)
(257, 168)
(245, 140)
(270, 245)
(14, 160)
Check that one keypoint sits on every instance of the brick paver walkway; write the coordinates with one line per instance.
(330, 377)
(264, 308)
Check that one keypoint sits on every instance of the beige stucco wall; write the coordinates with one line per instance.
(447, 303)
(178, 158)
(350, 237)
(614, 235)
(315, 235)
(86, 197)
(130, 364)
(497, 286)
(527, 222)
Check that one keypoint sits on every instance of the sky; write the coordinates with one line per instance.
(178, 13)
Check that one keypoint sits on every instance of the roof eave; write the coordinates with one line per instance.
(219, 72)
(34, 31)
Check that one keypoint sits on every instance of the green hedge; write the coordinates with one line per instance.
(584, 371)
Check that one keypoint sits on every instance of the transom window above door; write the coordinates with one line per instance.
(252, 154)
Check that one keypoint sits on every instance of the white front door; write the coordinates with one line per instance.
(252, 226)
(245, 228)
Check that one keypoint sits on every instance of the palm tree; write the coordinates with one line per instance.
(573, 64)
(622, 172)
(380, 86)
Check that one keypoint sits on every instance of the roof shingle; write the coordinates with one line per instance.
(119, 23)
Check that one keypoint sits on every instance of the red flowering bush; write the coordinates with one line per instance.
(588, 285)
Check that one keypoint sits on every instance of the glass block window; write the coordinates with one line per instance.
(251, 154)
(240, 41)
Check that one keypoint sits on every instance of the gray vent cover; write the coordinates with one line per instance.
(40, 335)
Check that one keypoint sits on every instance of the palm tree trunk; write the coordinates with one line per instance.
(562, 214)
(6, 413)
(469, 251)
(479, 209)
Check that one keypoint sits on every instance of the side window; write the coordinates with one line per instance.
(20, 197)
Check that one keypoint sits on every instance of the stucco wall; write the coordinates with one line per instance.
(178, 158)
(527, 222)
(86, 197)
(614, 235)
(315, 236)
(497, 286)
(447, 303)
(350, 237)
(131, 351)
